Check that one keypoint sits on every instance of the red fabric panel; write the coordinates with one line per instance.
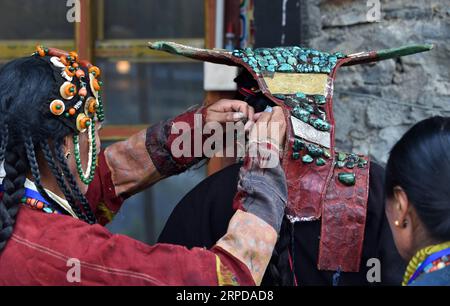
(343, 222)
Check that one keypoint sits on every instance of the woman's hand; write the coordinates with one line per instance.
(270, 127)
(229, 111)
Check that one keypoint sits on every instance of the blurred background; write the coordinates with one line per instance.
(374, 104)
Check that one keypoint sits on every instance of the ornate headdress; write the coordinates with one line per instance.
(322, 183)
(76, 101)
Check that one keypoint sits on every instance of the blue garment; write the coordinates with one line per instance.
(437, 278)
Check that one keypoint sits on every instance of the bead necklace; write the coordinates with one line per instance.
(32, 199)
(427, 260)
(88, 175)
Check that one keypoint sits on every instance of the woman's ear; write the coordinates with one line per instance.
(401, 216)
(68, 146)
(401, 209)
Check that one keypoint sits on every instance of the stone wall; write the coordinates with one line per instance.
(376, 104)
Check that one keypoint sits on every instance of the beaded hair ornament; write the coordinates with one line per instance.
(77, 102)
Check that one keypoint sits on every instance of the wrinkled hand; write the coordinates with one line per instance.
(229, 111)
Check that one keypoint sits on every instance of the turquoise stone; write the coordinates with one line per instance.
(315, 60)
(307, 159)
(320, 124)
(301, 114)
(350, 165)
(263, 63)
(332, 59)
(314, 150)
(273, 62)
(340, 164)
(303, 58)
(295, 155)
(308, 107)
(342, 156)
(285, 68)
(301, 68)
(348, 179)
(270, 68)
(292, 61)
(249, 51)
(362, 163)
(316, 68)
(298, 145)
(300, 95)
(321, 100)
(320, 161)
(47, 210)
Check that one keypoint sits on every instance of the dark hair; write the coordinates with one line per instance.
(279, 271)
(420, 164)
(26, 126)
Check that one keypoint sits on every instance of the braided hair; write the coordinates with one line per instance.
(26, 128)
(280, 270)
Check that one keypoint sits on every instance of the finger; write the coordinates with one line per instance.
(277, 112)
(251, 113)
(264, 117)
(231, 106)
(249, 125)
(257, 116)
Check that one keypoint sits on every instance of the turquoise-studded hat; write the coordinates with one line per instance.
(322, 183)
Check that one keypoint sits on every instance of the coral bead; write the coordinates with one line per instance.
(40, 50)
(79, 73)
(39, 205)
(82, 92)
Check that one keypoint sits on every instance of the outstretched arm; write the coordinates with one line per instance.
(147, 157)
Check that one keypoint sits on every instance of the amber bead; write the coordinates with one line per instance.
(95, 70)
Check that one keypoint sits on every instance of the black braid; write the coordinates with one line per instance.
(279, 270)
(60, 180)
(34, 167)
(73, 183)
(14, 190)
(4, 141)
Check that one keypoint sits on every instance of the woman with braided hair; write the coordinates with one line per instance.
(58, 189)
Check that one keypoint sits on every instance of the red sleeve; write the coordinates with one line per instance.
(32, 258)
(101, 193)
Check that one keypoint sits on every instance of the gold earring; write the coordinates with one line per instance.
(397, 223)
(67, 154)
